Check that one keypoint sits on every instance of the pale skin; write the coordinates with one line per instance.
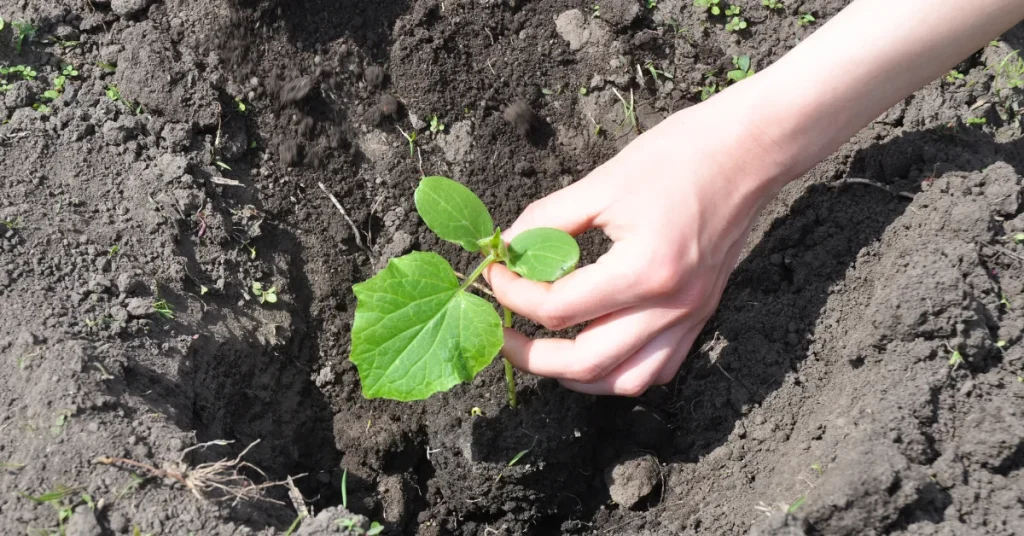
(680, 200)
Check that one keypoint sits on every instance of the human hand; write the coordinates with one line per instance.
(678, 203)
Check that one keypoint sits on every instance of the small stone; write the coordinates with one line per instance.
(128, 7)
(139, 308)
(631, 479)
(83, 523)
(572, 26)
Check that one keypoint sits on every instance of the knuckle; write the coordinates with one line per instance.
(553, 317)
(663, 280)
(586, 372)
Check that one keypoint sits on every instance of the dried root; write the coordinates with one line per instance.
(215, 481)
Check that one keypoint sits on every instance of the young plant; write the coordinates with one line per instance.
(411, 138)
(113, 93)
(22, 30)
(436, 126)
(710, 5)
(954, 75)
(26, 72)
(773, 4)
(268, 295)
(976, 121)
(164, 309)
(651, 68)
(743, 69)
(651, 4)
(417, 330)
(805, 19)
(736, 24)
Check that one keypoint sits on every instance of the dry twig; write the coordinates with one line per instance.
(868, 182)
(355, 230)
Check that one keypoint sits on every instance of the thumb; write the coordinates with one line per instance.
(572, 209)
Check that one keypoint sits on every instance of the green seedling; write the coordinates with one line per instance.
(26, 72)
(818, 468)
(58, 500)
(743, 69)
(736, 24)
(294, 525)
(59, 421)
(114, 250)
(651, 4)
(796, 504)
(2, 23)
(955, 358)
(41, 108)
(595, 11)
(651, 68)
(547, 91)
(628, 111)
(476, 412)
(268, 295)
(1019, 238)
(732, 11)
(805, 19)
(515, 459)
(242, 108)
(582, 91)
(773, 4)
(11, 466)
(66, 45)
(375, 529)
(109, 67)
(1005, 301)
(954, 75)
(222, 165)
(113, 93)
(344, 489)
(1010, 71)
(88, 500)
(14, 224)
(22, 30)
(411, 138)
(436, 126)
(417, 330)
(976, 121)
(710, 5)
(164, 309)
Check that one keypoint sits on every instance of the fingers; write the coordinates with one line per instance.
(640, 370)
(669, 371)
(596, 352)
(612, 283)
(571, 209)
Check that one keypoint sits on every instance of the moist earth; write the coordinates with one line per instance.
(863, 375)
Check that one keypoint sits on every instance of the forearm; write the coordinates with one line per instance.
(862, 62)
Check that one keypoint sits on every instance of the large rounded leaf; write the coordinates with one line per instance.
(416, 332)
(453, 212)
(543, 254)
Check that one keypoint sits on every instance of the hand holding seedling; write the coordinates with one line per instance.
(679, 201)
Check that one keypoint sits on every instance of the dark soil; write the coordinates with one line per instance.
(821, 399)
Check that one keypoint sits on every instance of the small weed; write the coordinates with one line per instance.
(264, 295)
(26, 72)
(1019, 238)
(436, 126)
(976, 121)
(242, 108)
(547, 91)
(411, 138)
(14, 224)
(595, 11)
(113, 93)
(818, 468)
(294, 525)
(743, 69)
(628, 110)
(651, 68)
(222, 165)
(773, 4)
(805, 19)
(66, 45)
(1005, 301)
(57, 499)
(344, 489)
(114, 250)
(954, 75)
(41, 108)
(164, 309)
(375, 529)
(476, 412)
(709, 89)
(710, 5)
(59, 421)
(109, 67)
(955, 360)
(11, 466)
(651, 4)
(515, 459)
(796, 504)
(22, 30)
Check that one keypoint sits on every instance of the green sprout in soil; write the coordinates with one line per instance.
(818, 468)
(417, 331)
(222, 165)
(411, 138)
(651, 4)
(14, 224)
(22, 30)
(595, 11)
(58, 499)
(628, 110)
(1019, 238)
(976, 121)
(955, 358)
(773, 4)
(114, 250)
(436, 126)
(344, 489)
(109, 67)
(2, 23)
(805, 19)
(24, 71)
(59, 421)
(242, 108)
(11, 466)
(113, 93)
(743, 69)
(651, 68)
(796, 504)
(954, 75)
(710, 5)
(164, 309)
(295, 524)
(268, 295)
(736, 22)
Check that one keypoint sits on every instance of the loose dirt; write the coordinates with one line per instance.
(862, 376)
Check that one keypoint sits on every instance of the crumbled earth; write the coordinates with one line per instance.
(863, 374)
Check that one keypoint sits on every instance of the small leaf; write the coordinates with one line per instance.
(270, 297)
(453, 212)
(416, 332)
(517, 457)
(543, 254)
(257, 288)
(743, 62)
(375, 529)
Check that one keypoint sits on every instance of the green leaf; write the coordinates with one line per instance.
(543, 254)
(517, 457)
(743, 62)
(453, 212)
(417, 332)
(375, 529)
